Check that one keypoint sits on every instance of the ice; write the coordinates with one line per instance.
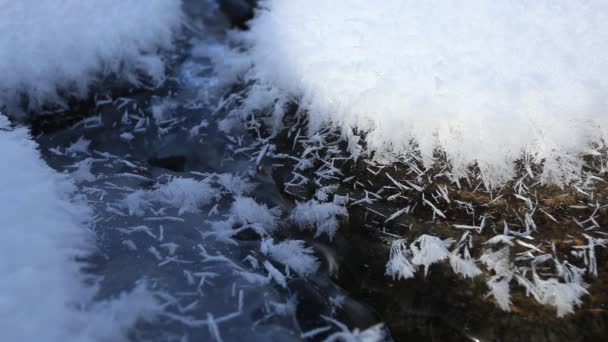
(399, 265)
(428, 249)
(499, 289)
(463, 266)
(563, 296)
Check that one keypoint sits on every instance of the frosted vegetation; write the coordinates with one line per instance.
(489, 84)
(50, 51)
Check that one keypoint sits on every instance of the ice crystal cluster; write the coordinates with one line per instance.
(486, 82)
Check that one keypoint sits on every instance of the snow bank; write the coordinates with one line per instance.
(43, 230)
(486, 81)
(49, 49)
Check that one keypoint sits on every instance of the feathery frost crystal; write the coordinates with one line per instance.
(486, 81)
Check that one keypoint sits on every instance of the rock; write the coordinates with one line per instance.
(238, 12)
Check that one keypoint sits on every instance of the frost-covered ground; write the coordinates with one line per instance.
(213, 186)
(486, 83)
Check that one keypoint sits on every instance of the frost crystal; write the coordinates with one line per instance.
(465, 267)
(427, 250)
(319, 216)
(499, 289)
(291, 253)
(399, 265)
(247, 211)
(185, 194)
(531, 85)
(564, 296)
(498, 261)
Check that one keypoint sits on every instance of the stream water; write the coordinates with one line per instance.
(120, 146)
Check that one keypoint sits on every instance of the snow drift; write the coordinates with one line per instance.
(51, 49)
(44, 228)
(487, 82)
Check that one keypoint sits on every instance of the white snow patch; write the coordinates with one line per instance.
(44, 228)
(49, 49)
(487, 81)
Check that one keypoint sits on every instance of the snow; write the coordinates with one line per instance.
(488, 82)
(44, 228)
(49, 50)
